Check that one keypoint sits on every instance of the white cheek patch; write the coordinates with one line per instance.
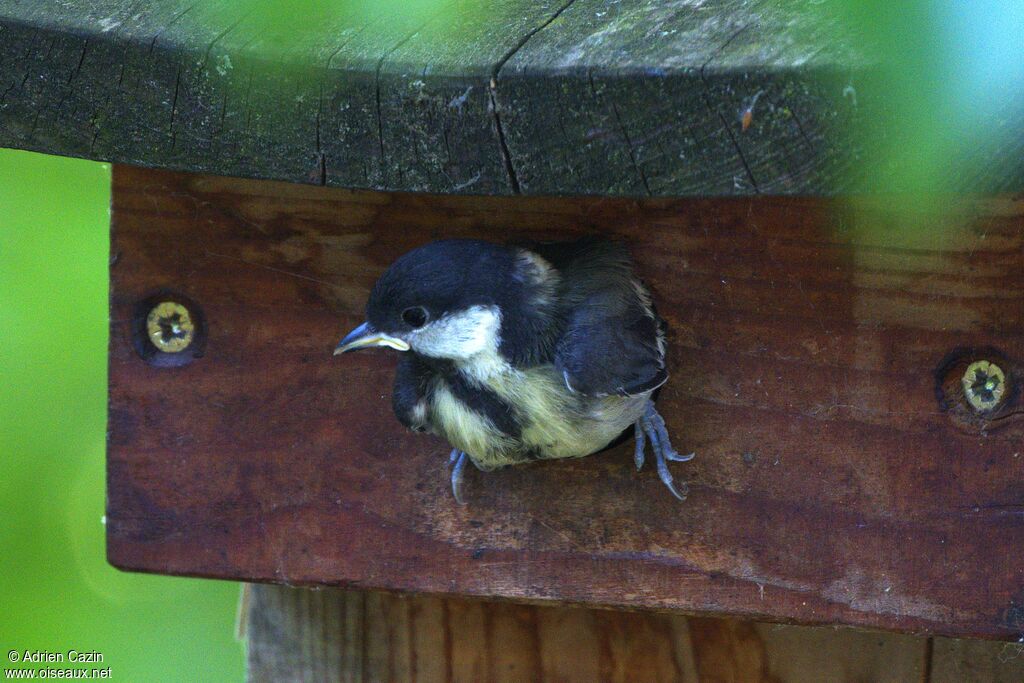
(461, 335)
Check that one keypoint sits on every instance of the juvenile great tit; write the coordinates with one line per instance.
(515, 354)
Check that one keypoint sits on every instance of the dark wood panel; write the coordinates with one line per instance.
(815, 354)
(635, 98)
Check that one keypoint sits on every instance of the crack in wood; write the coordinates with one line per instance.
(248, 102)
(495, 107)
(715, 112)
(506, 157)
(172, 22)
(625, 135)
(220, 36)
(800, 128)
(174, 105)
(81, 60)
(380, 113)
(324, 76)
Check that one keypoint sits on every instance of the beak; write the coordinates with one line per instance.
(366, 336)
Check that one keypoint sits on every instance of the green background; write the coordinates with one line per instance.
(56, 589)
(950, 66)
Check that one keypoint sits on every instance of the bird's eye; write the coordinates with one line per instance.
(415, 316)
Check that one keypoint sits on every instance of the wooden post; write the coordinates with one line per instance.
(336, 635)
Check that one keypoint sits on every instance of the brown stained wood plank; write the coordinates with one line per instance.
(831, 484)
(295, 634)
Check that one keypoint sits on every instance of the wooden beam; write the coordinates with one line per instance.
(637, 97)
(816, 352)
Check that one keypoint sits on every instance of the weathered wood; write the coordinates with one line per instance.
(636, 113)
(333, 635)
(637, 97)
(809, 345)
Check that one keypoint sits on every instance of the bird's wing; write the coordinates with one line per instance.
(613, 339)
(412, 376)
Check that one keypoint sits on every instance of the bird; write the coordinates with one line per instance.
(522, 352)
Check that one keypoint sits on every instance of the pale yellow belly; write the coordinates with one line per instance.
(555, 423)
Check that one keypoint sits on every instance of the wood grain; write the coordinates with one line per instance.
(957, 660)
(334, 635)
(839, 478)
(636, 98)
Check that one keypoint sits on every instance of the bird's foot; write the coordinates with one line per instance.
(651, 427)
(458, 459)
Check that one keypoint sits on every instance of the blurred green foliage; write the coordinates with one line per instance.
(57, 590)
(303, 28)
(952, 74)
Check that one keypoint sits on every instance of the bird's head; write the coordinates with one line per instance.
(456, 299)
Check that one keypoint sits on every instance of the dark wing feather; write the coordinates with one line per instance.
(611, 343)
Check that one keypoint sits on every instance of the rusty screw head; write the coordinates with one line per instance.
(170, 327)
(984, 385)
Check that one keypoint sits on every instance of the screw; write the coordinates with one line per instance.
(984, 385)
(170, 327)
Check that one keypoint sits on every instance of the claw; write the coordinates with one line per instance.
(667, 480)
(658, 423)
(676, 457)
(652, 426)
(641, 442)
(459, 458)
